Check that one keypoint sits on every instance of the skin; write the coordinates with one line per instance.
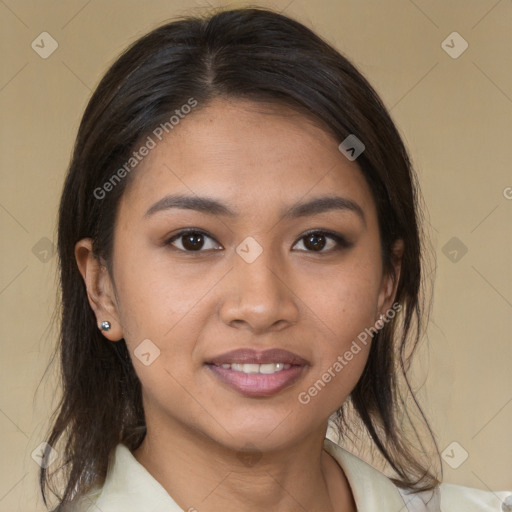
(257, 159)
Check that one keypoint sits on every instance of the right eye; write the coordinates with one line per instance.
(192, 240)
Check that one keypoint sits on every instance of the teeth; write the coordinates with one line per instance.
(271, 368)
(265, 369)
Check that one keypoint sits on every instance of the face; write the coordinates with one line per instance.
(235, 311)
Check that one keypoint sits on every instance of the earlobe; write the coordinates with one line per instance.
(100, 290)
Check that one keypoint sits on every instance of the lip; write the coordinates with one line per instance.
(248, 356)
(255, 384)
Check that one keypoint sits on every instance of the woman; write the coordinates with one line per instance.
(241, 261)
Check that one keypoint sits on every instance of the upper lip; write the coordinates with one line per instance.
(251, 356)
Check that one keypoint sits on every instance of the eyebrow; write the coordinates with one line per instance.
(214, 207)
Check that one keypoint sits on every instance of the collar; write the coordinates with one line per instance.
(130, 487)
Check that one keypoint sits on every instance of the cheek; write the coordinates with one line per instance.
(346, 310)
(346, 300)
(157, 297)
(167, 305)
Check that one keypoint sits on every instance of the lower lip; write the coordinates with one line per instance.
(257, 384)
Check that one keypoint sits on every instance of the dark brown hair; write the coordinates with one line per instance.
(252, 54)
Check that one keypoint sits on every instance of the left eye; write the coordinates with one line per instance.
(317, 241)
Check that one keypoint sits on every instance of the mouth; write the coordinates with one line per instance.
(251, 368)
(258, 374)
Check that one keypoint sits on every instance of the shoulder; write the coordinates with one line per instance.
(458, 498)
(128, 487)
(372, 489)
(85, 503)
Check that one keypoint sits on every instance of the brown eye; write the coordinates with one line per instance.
(192, 241)
(316, 241)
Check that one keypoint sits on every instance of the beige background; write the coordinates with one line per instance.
(455, 115)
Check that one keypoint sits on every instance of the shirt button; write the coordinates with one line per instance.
(506, 506)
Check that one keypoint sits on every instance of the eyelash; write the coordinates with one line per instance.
(340, 240)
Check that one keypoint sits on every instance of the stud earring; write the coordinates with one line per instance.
(105, 326)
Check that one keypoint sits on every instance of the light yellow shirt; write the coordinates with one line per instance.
(129, 487)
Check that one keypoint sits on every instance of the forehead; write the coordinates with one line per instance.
(250, 154)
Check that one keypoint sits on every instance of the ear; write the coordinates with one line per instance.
(100, 289)
(389, 281)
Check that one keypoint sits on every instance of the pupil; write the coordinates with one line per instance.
(316, 242)
(193, 241)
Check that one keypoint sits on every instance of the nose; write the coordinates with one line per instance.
(257, 297)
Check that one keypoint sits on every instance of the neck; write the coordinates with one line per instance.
(202, 475)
